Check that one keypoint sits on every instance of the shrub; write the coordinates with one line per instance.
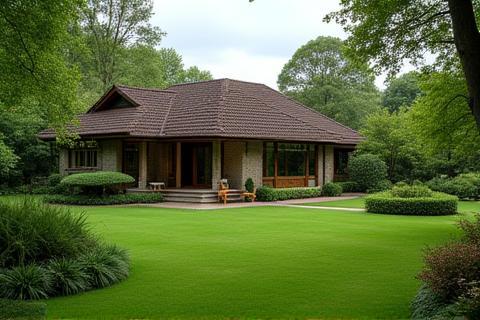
(13, 309)
(468, 304)
(449, 267)
(465, 186)
(428, 305)
(25, 283)
(471, 230)
(331, 189)
(33, 232)
(275, 194)
(386, 203)
(68, 276)
(381, 186)
(249, 185)
(99, 182)
(349, 186)
(54, 179)
(415, 191)
(85, 200)
(105, 266)
(367, 170)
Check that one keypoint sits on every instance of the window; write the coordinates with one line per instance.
(268, 159)
(291, 159)
(341, 161)
(312, 159)
(83, 158)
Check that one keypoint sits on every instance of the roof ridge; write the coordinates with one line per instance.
(213, 80)
(167, 115)
(145, 89)
(311, 109)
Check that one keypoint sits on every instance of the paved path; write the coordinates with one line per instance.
(299, 203)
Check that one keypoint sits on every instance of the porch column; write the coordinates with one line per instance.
(142, 165)
(178, 165)
(216, 164)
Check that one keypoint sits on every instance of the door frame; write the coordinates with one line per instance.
(194, 163)
(124, 162)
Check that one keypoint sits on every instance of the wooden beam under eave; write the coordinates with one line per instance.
(178, 166)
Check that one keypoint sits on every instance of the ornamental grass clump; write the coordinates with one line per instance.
(48, 251)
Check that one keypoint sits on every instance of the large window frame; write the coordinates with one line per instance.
(281, 168)
(83, 159)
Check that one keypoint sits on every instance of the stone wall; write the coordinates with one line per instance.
(109, 157)
(253, 162)
(233, 153)
(216, 164)
(329, 163)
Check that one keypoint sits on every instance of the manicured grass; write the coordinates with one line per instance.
(463, 206)
(263, 262)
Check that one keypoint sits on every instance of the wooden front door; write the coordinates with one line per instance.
(197, 165)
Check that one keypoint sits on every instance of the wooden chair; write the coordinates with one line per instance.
(223, 191)
(250, 195)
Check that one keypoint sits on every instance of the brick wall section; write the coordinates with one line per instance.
(232, 163)
(320, 165)
(109, 157)
(216, 164)
(329, 163)
(142, 165)
(253, 162)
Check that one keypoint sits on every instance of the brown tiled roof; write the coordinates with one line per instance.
(218, 108)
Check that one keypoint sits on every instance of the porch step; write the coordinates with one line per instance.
(194, 195)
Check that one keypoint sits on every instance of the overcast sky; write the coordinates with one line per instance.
(241, 40)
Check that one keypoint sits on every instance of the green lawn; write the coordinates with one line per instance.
(264, 262)
(463, 206)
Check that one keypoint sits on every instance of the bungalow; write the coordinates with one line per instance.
(195, 134)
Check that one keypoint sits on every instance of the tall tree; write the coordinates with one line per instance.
(389, 33)
(35, 77)
(401, 92)
(113, 25)
(321, 77)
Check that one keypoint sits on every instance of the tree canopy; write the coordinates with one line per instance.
(401, 91)
(389, 34)
(321, 77)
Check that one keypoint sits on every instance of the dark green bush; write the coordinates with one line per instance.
(386, 203)
(276, 194)
(14, 309)
(29, 282)
(414, 191)
(68, 276)
(99, 182)
(249, 185)
(32, 232)
(471, 230)
(464, 186)
(367, 170)
(85, 200)
(105, 266)
(331, 189)
(54, 179)
(349, 186)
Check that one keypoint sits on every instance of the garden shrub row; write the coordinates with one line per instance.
(50, 250)
(464, 186)
(98, 183)
(93, 200)
(14, 309)
(386, 203)
(276, 194)
(332, 189)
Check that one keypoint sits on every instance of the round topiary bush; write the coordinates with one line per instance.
(99, 182)
(332, 189)
(388, 203)
(368, 171)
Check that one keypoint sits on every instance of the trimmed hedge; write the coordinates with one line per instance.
(14, 309)
(95, 179)
(464, 186)
(85, 200)
(331, 189)
(349, 186)
(438, 204)
(275, 194)
(368, 171)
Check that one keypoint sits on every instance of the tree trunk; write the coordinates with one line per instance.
(467, 42)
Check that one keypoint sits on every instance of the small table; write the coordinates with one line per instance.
(157, 186)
